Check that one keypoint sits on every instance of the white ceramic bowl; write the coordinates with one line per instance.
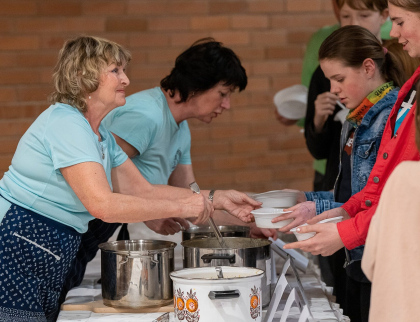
(306, 236)
(263, 217)
(277, 199)
(291, 102)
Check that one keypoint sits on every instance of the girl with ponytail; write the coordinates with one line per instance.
(365, 78)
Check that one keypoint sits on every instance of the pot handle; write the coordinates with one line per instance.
(207, 258)
(216, 295)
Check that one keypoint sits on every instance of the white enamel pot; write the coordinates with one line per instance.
(203, 295)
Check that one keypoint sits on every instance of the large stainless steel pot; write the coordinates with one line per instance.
(207, 231)
(135, 273)
(210, 294)
(241, 252)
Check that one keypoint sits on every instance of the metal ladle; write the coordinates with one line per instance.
(194, 187)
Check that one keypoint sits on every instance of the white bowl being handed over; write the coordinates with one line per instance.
(263, 217)
(277, 199)
(305, 236)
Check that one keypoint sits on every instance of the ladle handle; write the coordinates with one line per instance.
(217, 233)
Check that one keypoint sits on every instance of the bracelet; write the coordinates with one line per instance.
(211, 195)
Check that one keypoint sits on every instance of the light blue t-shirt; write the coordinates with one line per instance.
(60, 137)
(146, 122)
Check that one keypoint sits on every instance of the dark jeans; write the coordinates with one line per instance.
(358, 290)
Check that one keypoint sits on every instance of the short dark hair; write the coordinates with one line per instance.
(201, 67)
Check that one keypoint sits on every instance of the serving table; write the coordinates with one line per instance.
(84, 303)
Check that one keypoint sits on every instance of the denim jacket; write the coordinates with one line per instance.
(366, 141)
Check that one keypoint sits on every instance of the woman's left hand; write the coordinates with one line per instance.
(237, 203)
(326, 242)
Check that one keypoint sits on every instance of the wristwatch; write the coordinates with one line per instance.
(211, 195)
(194, 187)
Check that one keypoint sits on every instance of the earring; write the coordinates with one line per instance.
(90, 97)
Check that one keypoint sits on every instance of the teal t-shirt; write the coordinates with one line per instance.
(146, 122)
(60, 137)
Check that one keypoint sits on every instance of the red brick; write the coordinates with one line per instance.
(200, 133)
(61, 8)
(8, 60)
(267, 6)
(233, 162)
(8, 145)
(268, 38)
(285, 52)
(37, 59)
(250, 22)
(85, 25)
(269, 67)
(169, 23)
(210, 148)
(254, 175)
(293, 21)
(283, 82)
(250, 145)
(163, 55)
(144, 40)
(16, 42)
(18, 8)
(230, 38)
(227, 7)
(34, 93)
(210, 23)
(126, 24)
(112, 7)
(163, 8)
(17, 110)
(303, 5)
(200, 164)
(299, 37)
(229, 131)
(7, 94)
(186, 39)
(258, 83)
(256, 53)
(44, 24)
(20, 77)
(209, 179)
(144, 72)
(13, 128)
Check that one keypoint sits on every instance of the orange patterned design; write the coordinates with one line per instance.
(180, 303)
(254, 301)
(192, 305)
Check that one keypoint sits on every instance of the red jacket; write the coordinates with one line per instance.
(393, 150)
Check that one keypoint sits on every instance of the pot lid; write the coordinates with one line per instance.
(137, 246)
(212, 273)
(231, 243)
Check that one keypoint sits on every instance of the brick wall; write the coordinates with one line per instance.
(246, 148)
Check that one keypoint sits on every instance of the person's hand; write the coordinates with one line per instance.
(336, 212)
(256, 232)
(197, 206)
(237, 203)
(283, 120)
(301, 195)
(324, 107)
(167, 226)
(326, 241)
(301, 213)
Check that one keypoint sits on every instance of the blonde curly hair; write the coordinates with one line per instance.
(80, 64)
